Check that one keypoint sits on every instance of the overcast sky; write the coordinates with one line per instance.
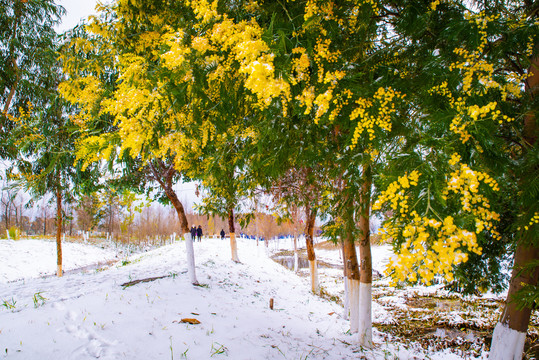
(76, 10)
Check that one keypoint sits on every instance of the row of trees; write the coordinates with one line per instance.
(422, 110)
(124, 218)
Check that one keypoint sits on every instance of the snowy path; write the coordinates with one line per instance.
(89, 315)
(92, 316)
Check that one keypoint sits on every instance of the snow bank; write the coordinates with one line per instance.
(25, 259)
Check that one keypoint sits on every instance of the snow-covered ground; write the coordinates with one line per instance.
(34, 258)
(89, 314)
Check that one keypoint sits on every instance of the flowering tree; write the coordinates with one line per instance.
(127, 114)
(473, 90)
(327, 55)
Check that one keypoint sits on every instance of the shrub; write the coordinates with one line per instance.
(14, 233)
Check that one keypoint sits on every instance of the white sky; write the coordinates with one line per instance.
(76, 10)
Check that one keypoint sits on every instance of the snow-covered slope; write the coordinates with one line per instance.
(91, 315)
(25, 259)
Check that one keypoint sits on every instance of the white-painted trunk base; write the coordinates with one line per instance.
(365, 315)
(353, 292)
(234, 248)
(346, 315)
(315, 285)
(296, 256)
(190, 258)
(507, 344)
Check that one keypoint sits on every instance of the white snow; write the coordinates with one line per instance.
(26, 259)
(89, 315)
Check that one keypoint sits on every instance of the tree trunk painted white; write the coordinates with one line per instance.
(234, 248)
(346, 315)
(346, 282)
(190, 258)
(59, 260)
(315, 285)
(507, 344)
(353, 290)
(7, 233)
(365, 263)
(365, 315)
(352, 274)
(296, 256)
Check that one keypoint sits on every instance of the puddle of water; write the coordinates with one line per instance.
(286, 259)
(288, 262)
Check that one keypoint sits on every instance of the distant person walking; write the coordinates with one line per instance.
(199, 233)
(222, 234)
(193, 232)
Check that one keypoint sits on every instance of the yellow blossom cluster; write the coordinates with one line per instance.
(307, 99)
(530, 46)
(465, 182)
(395, 193)
(340, 100)
(325, 10)
(243, 43)
(442, 90)
(455, 158)
(373, 153)
(322, 103)
(476, 70)
(479, 77)
(372, 3)
(430, 247)
(201, 44)
(148, 41)
(467, 115)
(89, 150)
(204, 10)
(176, 55)
(534, 220)
(300, 66)
(252, 6)
(333, 77)
(480, 112)
(322, 51)
(435, 4)
(376, 111)
(311, 9)
(86, 91)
